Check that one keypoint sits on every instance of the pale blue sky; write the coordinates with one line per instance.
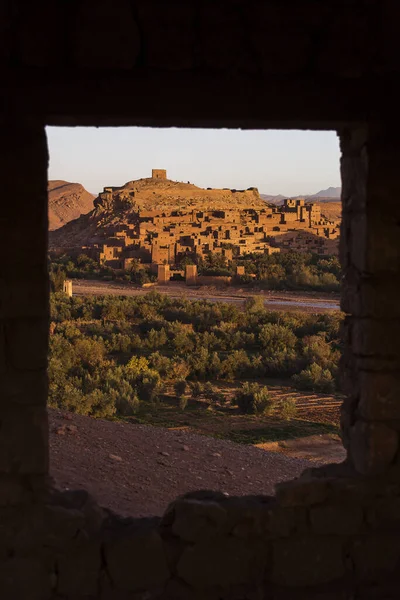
(277, 162)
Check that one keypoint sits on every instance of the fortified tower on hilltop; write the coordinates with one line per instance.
(159, 174)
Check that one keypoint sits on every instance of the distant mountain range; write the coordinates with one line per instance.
(331, 194)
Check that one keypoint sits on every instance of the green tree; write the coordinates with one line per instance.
(253, 399)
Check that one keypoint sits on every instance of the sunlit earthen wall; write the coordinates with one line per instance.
(307, 64)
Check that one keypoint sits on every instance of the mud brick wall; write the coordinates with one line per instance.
(23, 309)
(159, 174)
(333, 534)
(370, 255)
(245, 63)
(318, 538)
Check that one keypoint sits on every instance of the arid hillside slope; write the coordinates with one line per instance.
(67, 201)
(331, 210)
(121, 204)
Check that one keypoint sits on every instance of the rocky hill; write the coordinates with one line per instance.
(120, 205)
(331, 210)
(67, 201)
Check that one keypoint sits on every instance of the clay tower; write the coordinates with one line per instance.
(159, 174)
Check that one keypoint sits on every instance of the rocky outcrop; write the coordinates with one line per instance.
(155, 194)
(67, 201)
(119, 205)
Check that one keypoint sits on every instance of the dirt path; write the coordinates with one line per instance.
(138, 469)
(317, 448)
(310, 302)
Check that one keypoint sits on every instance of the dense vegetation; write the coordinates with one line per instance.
(84, 267)
(109, 354)
(279, 271)
(294, 271)
(286, 271)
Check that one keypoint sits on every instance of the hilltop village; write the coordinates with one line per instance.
(156, 221)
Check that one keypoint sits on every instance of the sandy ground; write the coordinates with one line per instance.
(309, 302)
(326, 448)
(139, 469)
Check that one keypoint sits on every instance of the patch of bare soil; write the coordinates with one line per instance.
(138, 470)
(324, 448)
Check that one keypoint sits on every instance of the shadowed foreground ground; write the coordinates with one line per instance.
(138, 469)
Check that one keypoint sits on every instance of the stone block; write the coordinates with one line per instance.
(14, 490)
(373, 337)
(42, 34)
(176, 589)
(226, 562)
(287, 521)
(355, 232)
(376, 556)
(2, 350)
(23, 440)
(302, 492)
(25, 298)
(24, 388)
(61, 525)
(306, 561)
(373, 297)
(379, 396)
(384, 514)
(212, 19)
(136, 560)
(168, 34)
(47, 527)
(274, 57)
(195, 520)
(340, 519)
(350, 301)
(23, 578)
(79, 570)
(390, 44)
(106, 35)
(354, 186)
(353, 141)
(5, 33)
(248, 516)
(347, 48)
(82, 501)
(373, 447)
(27, 343)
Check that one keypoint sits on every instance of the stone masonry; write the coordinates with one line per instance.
(333, 534)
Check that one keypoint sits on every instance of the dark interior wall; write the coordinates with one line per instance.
(334, 533)
(271, 63)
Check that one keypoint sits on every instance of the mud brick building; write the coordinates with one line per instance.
(170, 234)
(335, 532)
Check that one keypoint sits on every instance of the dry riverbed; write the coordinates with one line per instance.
(308, 302)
